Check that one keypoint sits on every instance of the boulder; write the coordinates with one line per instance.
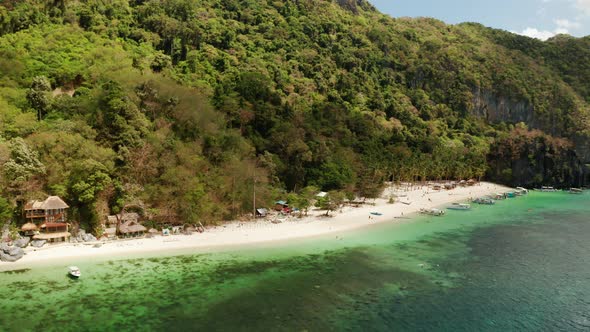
(6, 231)
(38, 243)
(4, 247)
(16, 251)
(11, 255)
(88, 238)
(7, 258)
(23, 242)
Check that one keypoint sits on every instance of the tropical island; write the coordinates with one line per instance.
(162, 114)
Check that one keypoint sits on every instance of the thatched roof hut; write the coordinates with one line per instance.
(132, 228)
(28, 227)
(126, 217)
(51, 203)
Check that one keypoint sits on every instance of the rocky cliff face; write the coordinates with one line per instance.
(582, 147)
(495, 109)
(534, 167)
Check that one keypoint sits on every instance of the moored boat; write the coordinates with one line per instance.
(548, 189)
(432, 212)
(499, 196)
(459, 206)
(522, 190)
(484, 201)
(510, 194)
(576, 191)
(74, 272)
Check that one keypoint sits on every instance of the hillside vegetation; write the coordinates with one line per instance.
(186, 107)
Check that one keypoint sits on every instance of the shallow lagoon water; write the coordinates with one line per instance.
(521, 265)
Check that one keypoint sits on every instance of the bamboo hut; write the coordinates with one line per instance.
(29, 229)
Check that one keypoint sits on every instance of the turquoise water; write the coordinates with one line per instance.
(522, 265)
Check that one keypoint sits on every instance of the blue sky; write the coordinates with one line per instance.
(534, 18)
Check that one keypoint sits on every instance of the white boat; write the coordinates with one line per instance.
(74, 272)
(484, 201)
(498, 196)
(576, 191)
(432, 212)
(548, 189)
(522, 190)
(459, 206)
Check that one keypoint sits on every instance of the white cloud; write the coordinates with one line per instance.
(567, 24)
(539, 34)
(583, 5)
(562, 26)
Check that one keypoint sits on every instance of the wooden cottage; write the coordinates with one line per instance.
(46, 220)
(132, 229)
(51, 210)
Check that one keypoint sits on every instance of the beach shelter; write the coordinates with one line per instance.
(261, 213)
(280, 205)
(29, 228)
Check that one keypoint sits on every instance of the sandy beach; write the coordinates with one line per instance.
(410, 201)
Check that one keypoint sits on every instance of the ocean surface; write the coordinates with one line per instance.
(521, 265)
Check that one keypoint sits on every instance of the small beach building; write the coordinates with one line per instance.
(449, 186)
(132, 229)
(281, 205)
(29, 229)
(129, 225)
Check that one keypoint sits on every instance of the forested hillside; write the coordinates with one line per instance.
(186, 107)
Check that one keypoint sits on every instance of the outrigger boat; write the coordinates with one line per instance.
(548, 189)
(432, 212)
(522, 190)
(74, 272)
(499, 196)
(459, 206)
(484, 201)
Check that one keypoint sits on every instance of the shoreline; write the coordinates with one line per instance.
(237, 234)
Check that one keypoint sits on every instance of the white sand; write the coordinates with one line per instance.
(252, 233)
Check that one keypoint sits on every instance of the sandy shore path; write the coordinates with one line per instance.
(237, 234)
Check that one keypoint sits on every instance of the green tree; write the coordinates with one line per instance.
(6, 210)
(38, 96)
